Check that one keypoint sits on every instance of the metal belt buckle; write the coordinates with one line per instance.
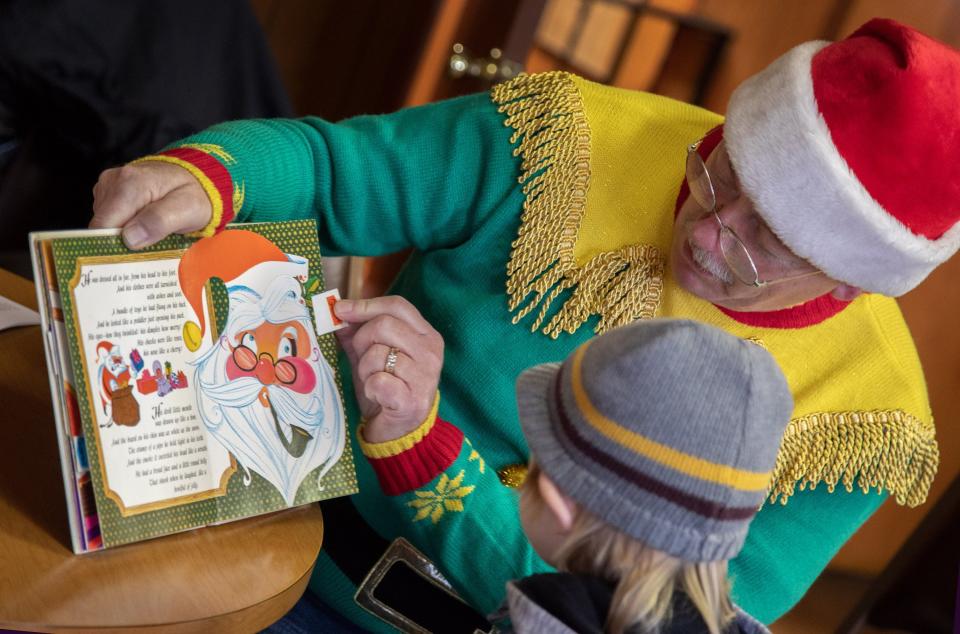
(400, 551)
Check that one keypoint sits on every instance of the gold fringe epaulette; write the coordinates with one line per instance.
(880, 450)
(552, 137)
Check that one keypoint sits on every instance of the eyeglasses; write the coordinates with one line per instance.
(734, 251)
(247, 360)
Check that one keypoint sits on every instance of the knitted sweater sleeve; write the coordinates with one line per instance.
(424, 177)
(455, 507)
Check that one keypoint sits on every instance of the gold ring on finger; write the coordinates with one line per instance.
(390, 366)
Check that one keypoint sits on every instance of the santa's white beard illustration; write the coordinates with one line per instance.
(115, 366)
(283, 434)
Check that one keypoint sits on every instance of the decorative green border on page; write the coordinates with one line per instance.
(297, 237)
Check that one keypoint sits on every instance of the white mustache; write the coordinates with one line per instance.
(711, 263)
(243, 391)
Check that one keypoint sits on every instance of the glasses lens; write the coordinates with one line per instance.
(737, 257)
(286, 371)
(700, 186)
(245, 358)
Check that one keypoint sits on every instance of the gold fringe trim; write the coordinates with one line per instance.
(883, 450)
(552, 136)
(513, 475)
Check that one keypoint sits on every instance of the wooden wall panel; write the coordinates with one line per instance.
(762, 31)
(939, 19)
(339, 59)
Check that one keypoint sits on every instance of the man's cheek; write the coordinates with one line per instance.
(306, 378)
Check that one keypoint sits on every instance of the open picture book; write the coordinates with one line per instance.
(194, 382)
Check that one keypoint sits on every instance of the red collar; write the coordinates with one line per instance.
(800, 316)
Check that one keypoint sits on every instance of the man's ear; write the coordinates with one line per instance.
(846, 293)
(562, 507)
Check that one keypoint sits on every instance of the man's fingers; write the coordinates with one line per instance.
(118, 195)
(177, 212)
(375, 360)
(150, 200)
(390, 331)
(363, 310)
(389, 392)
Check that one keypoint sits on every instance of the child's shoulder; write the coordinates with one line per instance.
(558, 603)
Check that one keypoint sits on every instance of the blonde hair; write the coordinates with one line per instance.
(645, 578)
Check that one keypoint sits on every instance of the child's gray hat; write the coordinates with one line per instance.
(666, 429)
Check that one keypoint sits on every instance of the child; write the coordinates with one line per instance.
(652, 447)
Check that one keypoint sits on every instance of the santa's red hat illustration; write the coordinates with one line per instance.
(106, 349)
(242, 259)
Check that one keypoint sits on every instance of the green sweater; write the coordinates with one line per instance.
(442, 179)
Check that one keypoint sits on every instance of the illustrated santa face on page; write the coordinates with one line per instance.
(265, 390)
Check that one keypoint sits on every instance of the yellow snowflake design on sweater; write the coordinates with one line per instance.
(448, 496)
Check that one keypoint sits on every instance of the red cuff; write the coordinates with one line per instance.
(213, 177)
(420, 464)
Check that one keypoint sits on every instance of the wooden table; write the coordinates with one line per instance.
(236, 577)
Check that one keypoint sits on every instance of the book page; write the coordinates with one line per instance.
(152, 445)
(85, 526)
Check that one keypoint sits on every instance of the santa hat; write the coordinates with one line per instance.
(848, 150)
(239, 258)
(104, 348)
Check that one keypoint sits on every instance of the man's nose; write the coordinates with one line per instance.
(705, 232)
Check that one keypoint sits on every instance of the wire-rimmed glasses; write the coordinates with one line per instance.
(733, 249)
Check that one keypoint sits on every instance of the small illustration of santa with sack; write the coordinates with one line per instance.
(265, 391)
(116, 394)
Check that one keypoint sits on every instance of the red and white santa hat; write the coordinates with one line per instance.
(106, 349)
(849, 151)
(241, 259)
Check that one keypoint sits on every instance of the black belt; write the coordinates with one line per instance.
(394, 580)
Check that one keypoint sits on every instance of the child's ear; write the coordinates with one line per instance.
(562, 507)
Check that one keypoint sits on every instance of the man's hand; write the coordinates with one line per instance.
(150, 200)
(395, 402)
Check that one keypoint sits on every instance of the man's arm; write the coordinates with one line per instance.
(424, 177)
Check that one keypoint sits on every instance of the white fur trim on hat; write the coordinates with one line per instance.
(785, 158)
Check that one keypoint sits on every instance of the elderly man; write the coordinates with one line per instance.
(831, 176)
